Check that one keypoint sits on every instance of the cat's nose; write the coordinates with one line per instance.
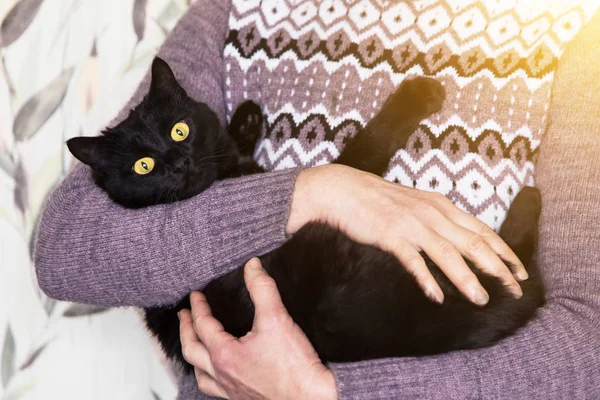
(177, 161)
(181, 164)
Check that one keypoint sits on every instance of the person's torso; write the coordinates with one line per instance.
(321, 69)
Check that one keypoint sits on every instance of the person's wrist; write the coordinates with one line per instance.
(324, 389)
(307, 199)
(329, 391)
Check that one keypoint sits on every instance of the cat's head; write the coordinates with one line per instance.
(169, 148)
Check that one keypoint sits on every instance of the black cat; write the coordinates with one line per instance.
(353, 301)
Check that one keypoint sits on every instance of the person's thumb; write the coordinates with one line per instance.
(264, 294)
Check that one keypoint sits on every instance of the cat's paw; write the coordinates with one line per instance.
(529, 197)
(245, 126)
(248, 117)
(419, 97)
(430, 92)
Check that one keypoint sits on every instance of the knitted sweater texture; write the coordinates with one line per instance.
(321, 70)
(319, 76)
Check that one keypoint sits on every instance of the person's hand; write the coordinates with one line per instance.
(404, 221)
(274, 360)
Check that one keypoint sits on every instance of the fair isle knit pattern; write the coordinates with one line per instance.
(322, 69)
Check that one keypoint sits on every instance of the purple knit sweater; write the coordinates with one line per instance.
(91, 250)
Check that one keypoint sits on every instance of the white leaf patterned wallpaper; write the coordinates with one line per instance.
(67, 67)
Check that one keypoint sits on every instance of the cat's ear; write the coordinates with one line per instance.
(163, 81)
(87, 149)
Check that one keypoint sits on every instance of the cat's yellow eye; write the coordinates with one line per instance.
(144, 165)
(180, 131)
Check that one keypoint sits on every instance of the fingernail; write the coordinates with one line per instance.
(178, 314)
(517, 291)
(522, 275)
(481, 298)
(255, 264)
(435, 295)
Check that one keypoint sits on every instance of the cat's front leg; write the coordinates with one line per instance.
(414, 100)
(372, 148)
(245, 127)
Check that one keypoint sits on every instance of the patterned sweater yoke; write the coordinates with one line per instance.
(322, 69)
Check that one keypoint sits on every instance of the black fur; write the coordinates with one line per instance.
(353, 301)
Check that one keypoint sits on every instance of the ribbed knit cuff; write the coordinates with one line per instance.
(384, 379)
(349, 379)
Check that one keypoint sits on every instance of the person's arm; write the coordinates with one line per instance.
(89, 249)
(558, 354)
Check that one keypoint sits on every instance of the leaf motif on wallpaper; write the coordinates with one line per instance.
(18, 19)
(168, 16)
(139, 18)
(21, 188)
(36, 111)
(3, 71)
(49, 305)
(81, 310)
(89, 82)
(163, 29)
(32, 357)
(7, 164)
(20, 390)
(143, 59)
(155, 396)
(8, 357)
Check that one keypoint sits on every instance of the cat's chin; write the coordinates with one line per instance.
(194, 186)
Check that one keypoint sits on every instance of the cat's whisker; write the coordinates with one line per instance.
(206, 166)
(212, 157)
(160, 196)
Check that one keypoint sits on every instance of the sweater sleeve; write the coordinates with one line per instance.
(557, 355)
(89, 249)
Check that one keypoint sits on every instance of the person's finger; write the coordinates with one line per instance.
(193, 350)
(498, 245)
(415, 264)
(447, 257)
(209, 330)
(186, 330)
(263, 291)
(476, 248)
(208, 385)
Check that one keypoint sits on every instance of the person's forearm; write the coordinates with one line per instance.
(556, 358)
(91, 250)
